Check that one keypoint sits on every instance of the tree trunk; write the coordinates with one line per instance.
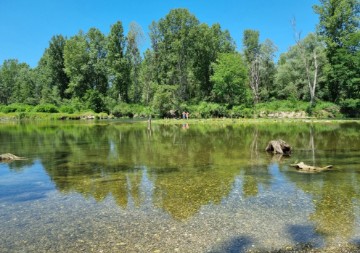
(278, 147)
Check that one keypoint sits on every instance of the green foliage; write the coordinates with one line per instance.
(77, 104)
(339, 27)
(251, 45)
(350, 107)
(130, 110)
(241, 112)
(94, 101)
(165, 99)
(229, 78)
(67, 109)
(208, 110)
(118, 65)
(184, 50)
(16, 107)
(291, 78)
(190, 66)
(282, 106)
(49, 108)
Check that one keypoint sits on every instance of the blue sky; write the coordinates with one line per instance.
(26, 26)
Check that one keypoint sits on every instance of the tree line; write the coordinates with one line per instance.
(189, 63)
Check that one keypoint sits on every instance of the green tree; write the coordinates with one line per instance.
(56, 65)
(252, 56)
(134, 39)
(209, 43)
(165, 99)
(300, 75)
(148, 77)
(173, 43)
(267, 70)
(118, 65)
(339, 27)
(8, 72)
(229, 78)
(76, 59)
(97, 69)
(16, 83)
(51, 79)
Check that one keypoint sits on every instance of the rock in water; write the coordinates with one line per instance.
(10, 157)
(278, 147)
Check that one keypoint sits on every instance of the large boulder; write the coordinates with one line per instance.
(278, 147)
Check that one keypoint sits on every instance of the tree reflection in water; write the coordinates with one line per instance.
(181, 171)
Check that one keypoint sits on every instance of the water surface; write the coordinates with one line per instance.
(119, 187)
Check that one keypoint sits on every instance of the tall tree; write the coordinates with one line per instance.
(308, 51)
(292, 77)
(229, 78)
(148, 76)
(267, 69)
(76, 58)
(339, 27)
(8, 72)
(209, 43)
(97, 69)
(252, 55)
(172, 40)
(16, 83)
(118, 65)
(56, 64)
(135, 37)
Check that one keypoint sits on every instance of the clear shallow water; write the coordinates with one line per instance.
(117, 187)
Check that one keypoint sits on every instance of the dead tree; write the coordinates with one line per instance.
(278, 147)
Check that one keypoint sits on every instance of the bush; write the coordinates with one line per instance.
(326, 110)
(16, 107)
(130, 110)
(49, 108)
(350, 108)
(208, 110)
(67, 109)
(94, 101)
(241, 112)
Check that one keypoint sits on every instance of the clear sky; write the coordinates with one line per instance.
(26, 26)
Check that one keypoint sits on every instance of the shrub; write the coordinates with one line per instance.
(49, 108)
(95, 101)
(67, 109)
(350, 107)
(16, 107)
(326, 110)
(208, 110)
(130, 110)
(241, 112)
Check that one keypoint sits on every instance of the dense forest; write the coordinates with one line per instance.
(194, 67)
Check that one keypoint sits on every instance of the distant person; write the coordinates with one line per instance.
(183, 115)
(187, 115)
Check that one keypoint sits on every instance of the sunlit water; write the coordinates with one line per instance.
(119, 187)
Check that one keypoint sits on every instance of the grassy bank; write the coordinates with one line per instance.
(204, 110)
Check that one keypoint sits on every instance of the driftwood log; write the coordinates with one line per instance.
(302, 167)
(10, 157)
(278, 147)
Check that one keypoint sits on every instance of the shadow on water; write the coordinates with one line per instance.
(234, 245)
(305, 235)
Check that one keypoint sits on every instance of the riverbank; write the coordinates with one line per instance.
(91, 116)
